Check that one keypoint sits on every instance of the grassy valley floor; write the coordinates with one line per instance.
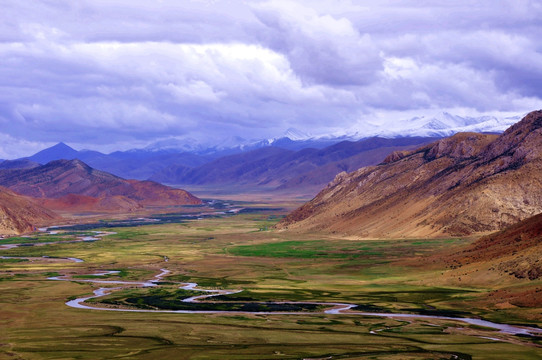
(241, 251)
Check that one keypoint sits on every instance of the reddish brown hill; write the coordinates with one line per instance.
(153, 193)
(517, 249)
(463, 184)
(81, 203)
(19, 214)
(73, 183)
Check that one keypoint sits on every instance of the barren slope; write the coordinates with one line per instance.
(19, 214)
(516, 249)
(463, 184)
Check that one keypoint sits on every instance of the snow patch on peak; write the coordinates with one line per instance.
(175, 144)
(296, 134)
(429, 124)
(436, 124)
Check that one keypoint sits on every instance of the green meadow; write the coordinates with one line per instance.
(243, 252)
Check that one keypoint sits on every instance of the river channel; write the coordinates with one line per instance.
(332, 308)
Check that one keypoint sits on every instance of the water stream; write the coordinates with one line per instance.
(336, 308)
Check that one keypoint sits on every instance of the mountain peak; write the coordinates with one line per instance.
(522, 141)
(532, 121)
(61, 145)
(58, 151)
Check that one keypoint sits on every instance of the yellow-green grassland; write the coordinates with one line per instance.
(242, 251)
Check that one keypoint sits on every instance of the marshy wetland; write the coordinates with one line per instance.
(275, 295)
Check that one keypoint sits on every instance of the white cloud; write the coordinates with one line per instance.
(13, 148)
(139, 70)
(322, 48)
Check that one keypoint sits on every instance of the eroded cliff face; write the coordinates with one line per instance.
(464, 184)
(19, 214)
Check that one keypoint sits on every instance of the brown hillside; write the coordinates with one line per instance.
(19, 214)
(153, 193)
(62, 179)
(74, 203)
(517, 249)
(467, 183)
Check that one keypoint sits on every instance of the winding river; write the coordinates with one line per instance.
(334, 308)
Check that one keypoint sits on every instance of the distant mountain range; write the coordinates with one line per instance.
(414, 190)
(440, 124)
(296, 160)
(156, 159)
(279, 168)
(132, 164)
(463, 184)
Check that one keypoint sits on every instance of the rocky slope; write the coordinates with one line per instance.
(467, 183)
(72, 183)
(19, 214)
(515, 250)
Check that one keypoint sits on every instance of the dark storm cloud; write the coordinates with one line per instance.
(121, 73)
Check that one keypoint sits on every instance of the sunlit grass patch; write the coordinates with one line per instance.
(302, 249)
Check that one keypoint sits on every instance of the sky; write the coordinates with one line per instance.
(119, 74)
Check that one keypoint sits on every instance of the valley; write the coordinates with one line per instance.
(270, 179)
(277, 294)
(431, 253)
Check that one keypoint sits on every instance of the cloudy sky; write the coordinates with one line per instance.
(118, 74)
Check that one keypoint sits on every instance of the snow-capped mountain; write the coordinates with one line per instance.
(184, 152)
(184, 144)
(296, 135)
(191, 145)
(445, 124)
(232, 143)
(436, 125)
